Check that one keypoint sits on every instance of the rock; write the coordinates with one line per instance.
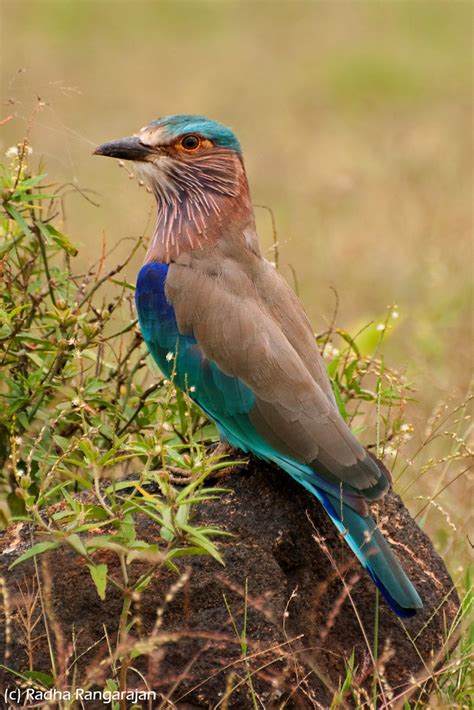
(301, 625)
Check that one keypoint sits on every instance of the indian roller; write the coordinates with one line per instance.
(241, 343)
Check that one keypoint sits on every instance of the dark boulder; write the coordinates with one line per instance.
(302, 625)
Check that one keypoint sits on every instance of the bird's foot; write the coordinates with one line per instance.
(180, 476)
(221, 450)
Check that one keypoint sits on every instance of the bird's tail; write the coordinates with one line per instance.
(368, 544)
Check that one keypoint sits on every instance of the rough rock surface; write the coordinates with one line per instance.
(302, 627)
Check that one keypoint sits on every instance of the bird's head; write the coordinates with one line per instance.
(194, 167)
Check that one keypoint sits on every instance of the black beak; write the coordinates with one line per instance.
(126, 149)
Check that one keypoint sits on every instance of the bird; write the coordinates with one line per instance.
(220, 320)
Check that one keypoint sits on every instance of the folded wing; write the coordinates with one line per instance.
(248, 337)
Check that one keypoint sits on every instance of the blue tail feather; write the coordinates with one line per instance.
(368, 544)
(361, 533)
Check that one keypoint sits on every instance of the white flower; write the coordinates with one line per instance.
(169, 357)
(14, 151)
(381, 326)
(395, 314)
(330, 351)
(192, 388)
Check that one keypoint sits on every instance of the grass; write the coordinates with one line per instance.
(90, 440)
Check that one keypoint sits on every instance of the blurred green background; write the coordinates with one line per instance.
(356, 124)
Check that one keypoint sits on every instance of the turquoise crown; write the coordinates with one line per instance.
(212, 130)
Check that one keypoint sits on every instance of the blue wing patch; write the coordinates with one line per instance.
(179, 356)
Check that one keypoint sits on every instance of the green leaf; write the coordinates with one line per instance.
(150, 553)
(183, 552)
(61, 240)
(350, 340)
(172, 566)
(77, 544)
(37, 549)
(9, 244)
(144, 583)
(120, 485)
(333, 366)
(102, 541)
(26, 184)
(340, 402)
(88, 451)
(350, 370)
(182, 516)
(19, 219)
(127, 529)
(42, 678)
(167, 534)
(125, 284)
(181, 402)
(99, 577)
(199, 540)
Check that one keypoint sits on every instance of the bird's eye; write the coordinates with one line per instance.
(191, 142)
